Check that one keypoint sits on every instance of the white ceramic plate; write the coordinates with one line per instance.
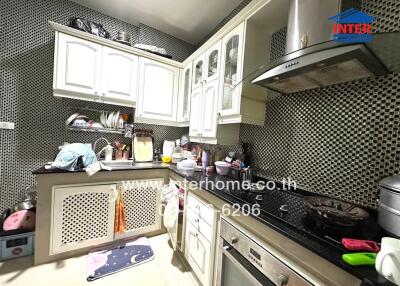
(71, 118)
(110, 119)
(115, 123)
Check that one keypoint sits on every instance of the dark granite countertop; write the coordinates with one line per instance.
(368, 275)
(137, 166)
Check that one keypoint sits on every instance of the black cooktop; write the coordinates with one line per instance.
(287, 206)
(324, 240)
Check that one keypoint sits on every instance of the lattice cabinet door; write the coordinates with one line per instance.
(142, 200)
(82, 216)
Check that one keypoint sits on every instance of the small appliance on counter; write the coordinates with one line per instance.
(143, 145)
(177, 154)
(16, 245)
(389, 204)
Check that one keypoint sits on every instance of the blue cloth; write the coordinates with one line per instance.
(67, 158)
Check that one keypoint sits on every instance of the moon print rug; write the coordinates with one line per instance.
(117, 257)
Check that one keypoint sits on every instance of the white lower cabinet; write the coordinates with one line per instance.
(158, 93)
(82, 216)
(198, 253)
(200, 238)
(142, 200)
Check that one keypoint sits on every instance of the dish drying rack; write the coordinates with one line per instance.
(108, 130)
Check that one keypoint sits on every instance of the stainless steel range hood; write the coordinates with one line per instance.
(313, 60)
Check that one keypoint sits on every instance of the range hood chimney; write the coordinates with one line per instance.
(314, 60)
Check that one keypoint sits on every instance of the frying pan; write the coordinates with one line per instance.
(334, 211)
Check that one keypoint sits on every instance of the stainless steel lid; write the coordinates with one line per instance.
(391, 183)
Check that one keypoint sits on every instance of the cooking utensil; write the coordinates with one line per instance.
(360, 245)
(357, 259)
(28, 203)
(334, 211)
(389, 204)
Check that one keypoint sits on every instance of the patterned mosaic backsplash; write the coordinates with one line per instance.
(27, 51)
(337, 141)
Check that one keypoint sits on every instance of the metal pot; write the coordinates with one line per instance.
(389, 204)
(28, 203)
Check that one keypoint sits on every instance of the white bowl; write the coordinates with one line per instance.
(222, 168)
(187, 166)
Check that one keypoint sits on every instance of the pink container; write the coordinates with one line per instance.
(23, 219)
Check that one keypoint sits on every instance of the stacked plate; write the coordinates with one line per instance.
(109, 119)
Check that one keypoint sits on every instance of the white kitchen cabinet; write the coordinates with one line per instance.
(198, 253)
(203, 117)
(77, 67)
(82, 216)
(200, 238)
(209, 109)
(119, 77)
(204, 126)
(158, 93)
(231, 73)
(183, 115)
(198, 71)
(204, 98)
(196, 112)
(142, 200)
(212, 62)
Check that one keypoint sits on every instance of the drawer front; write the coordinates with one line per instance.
(204, 228)
(204, 211)
(197, 252)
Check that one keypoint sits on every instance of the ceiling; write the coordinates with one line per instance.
(188, 20)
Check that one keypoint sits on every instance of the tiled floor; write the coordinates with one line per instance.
(166, 269)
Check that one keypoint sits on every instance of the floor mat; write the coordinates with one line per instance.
(118, 257)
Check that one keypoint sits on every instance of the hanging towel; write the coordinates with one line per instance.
(120, 217)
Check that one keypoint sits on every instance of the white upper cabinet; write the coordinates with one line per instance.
(196, 112)
(119, 76)
(77, 66)
(158, 92)
(203, 114)
(204, 99)
(90, 71)
(212, 62)
(198, 71)
(210, 102)
(231, 73)
(184, 94)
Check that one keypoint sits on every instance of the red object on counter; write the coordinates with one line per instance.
(360, 245)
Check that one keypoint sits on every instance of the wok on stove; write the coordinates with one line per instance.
(334, 211)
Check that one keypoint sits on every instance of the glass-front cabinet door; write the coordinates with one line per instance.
(198, 72)
(231, 74)
(185, 91)
(213, 61)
